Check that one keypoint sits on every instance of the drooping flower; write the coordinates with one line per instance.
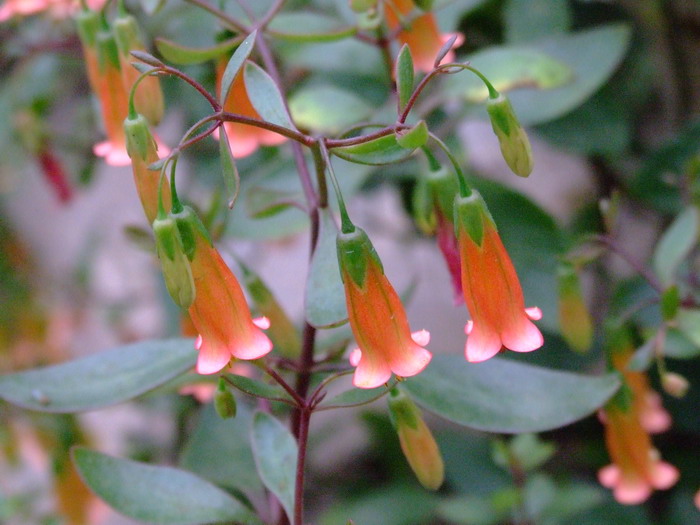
(636, 468)
(647, 403)
(491, 287)
(243, 139)
(423, 36)
(417, 442)
(57, 8)
(114, 101)
(219, 312)
(377, 318)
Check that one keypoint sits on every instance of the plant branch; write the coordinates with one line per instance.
(224, 17)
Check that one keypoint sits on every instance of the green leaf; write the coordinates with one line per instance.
(384, 150)
(152, 6)
(354, 397)
(308, 27)
(275, 452)
(324, 300)
(528, 20)
(510, 68)
(500, 395)
(257, 388)
(154, 494)
(219, 451)
(689, 324)
(265, 97)
(232, 180)
(99, 380)
(404, 76)
(327, 109)
(235, 64)
(676, 244)
(263, 202)
(183, 55)
(679, 346)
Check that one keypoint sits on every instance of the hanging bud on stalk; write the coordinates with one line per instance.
(174, 262)
(377, 318)
(515, 146)
(224, 401)
(417, 442)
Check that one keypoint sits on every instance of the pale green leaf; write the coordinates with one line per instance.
(676, 244)
(229, 171)
(265, 96)
(235, 64)
(327, 109)
(183, 55)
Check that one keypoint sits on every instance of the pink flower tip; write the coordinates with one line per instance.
(262, 322)
(114, 155)
(421, 337)
(355, 356)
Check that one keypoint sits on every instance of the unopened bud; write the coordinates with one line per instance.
(417, 442)
(574, 319)
(139, 140)
(174, 263)
(224, 401)
(674, 384)
(515, 146)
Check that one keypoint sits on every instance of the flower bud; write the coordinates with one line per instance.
(515, 146)
(417, 442)
(574, 319)
(224, 401)
(174, 263)
(674, 384)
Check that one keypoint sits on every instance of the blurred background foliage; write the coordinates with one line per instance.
(615, 84)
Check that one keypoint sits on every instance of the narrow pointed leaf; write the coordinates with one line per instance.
(275, 452)
(506, 396)
(232, 179)
(676, 244)
(324, 302)
(308, 27)
(354, 397)
(384, 150)
(235, 64)
(404, 76)
(265, 96)
(99, 380)
(257, 388)
(183, 55)
(154, 494)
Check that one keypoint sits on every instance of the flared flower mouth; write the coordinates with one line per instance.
(113, 153)
(484, 342)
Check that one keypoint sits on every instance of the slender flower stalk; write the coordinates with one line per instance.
(491, 287)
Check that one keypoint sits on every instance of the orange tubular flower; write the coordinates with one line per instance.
(423, 36)
(377, 318)
(114, 101)
(636, 469)
(647, 403)
(57, 8)
(243, 139)
(219, 311)
(491, 288)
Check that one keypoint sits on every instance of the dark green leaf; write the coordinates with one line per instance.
(154, 494)
(265, 96)
(528, 20)
(257, 388)
(308, 27)
(235, 64)
(355, 397)
(99, 380)
(676, 244)
(275, 452)
(219, 451)
(404, 76)
(232, 180)
(505, 396)
(324, 302)
(384, 150)
(183, 55)
(327, 109)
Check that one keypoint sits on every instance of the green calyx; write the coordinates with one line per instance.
(126, 31)
(189, 225)
(470, 213)
(107, 53)
(138, 137)
(402, 410)
(355, 253)
(444, 188)
(88, 23)
(176, 268)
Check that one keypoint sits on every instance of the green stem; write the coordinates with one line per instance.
(346, 224)
(464, 189)
(176, 206)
